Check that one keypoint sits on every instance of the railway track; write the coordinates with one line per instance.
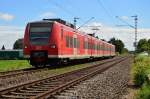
(50, 86)
(15, 73)
(11, 74)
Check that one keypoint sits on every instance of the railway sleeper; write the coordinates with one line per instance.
(36, 89)
(13, 97)
(41, 87)
(69, 91)
(66, 94)
(23, 94)
(30, 91)
(48, 88)
(60, 97)
(50, 83)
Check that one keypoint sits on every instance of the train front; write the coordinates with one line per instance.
(37, 43)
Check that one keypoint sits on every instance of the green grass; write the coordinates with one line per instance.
(140, 71)
(144, 92)
(8, 65)
(67, 69)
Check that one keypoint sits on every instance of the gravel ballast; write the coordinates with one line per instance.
(111, 84)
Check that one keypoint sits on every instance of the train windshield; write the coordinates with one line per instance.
(40, 33)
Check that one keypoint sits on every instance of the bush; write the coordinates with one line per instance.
(144, 92)
(140, 70)
(139, 75)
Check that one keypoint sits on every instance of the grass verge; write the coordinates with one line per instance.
(65, 69)
(140, 71)
(8, 65)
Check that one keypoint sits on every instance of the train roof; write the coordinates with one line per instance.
(69, 25)
(56, 20)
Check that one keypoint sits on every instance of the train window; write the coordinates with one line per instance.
(78, 43)
(67, 41)
(87, 45)
(40, 33)
(62, 33)
(100, 47)
(84, 44)
(97, 46)
(75, 42)
(71, 42)
(103, 47)
(93, 46)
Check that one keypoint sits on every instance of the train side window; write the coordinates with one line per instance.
(84, 44)
(103, 46)
(62, 33)
(67, 41)
(78, 43)
(71, 42)
(75, 42)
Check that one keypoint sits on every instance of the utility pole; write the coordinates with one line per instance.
(75, 21)
(135, 27)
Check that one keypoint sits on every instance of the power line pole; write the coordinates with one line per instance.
(135, 27)
(75, 21)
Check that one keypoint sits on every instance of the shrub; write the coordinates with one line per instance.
(140, 70)
(144, 92)
(139, 75)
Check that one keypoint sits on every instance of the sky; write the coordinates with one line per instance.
(14, 15)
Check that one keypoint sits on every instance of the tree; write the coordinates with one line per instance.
(125, 50)
(148, 44)
(143, 45)
(3, 47)
(119, 45)
(18, 44)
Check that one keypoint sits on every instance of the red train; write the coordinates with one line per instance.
(55, 40)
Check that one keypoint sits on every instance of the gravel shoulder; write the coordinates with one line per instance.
(111, 84)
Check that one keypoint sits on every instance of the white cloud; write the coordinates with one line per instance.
(47, 15)
(9, 34)
(127, 35)
(6, 16)
(124, 17)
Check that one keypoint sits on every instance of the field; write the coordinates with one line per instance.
(8, 65)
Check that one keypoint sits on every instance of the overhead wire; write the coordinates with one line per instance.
(62, 8)
(110, 15)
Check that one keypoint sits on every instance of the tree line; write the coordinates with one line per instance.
(143, 46)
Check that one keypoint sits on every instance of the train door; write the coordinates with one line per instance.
(103, 49)
(86, 46)
(75, 45)
(62, 42)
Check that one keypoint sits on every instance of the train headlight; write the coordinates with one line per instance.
(53, 46)
(25, 46)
